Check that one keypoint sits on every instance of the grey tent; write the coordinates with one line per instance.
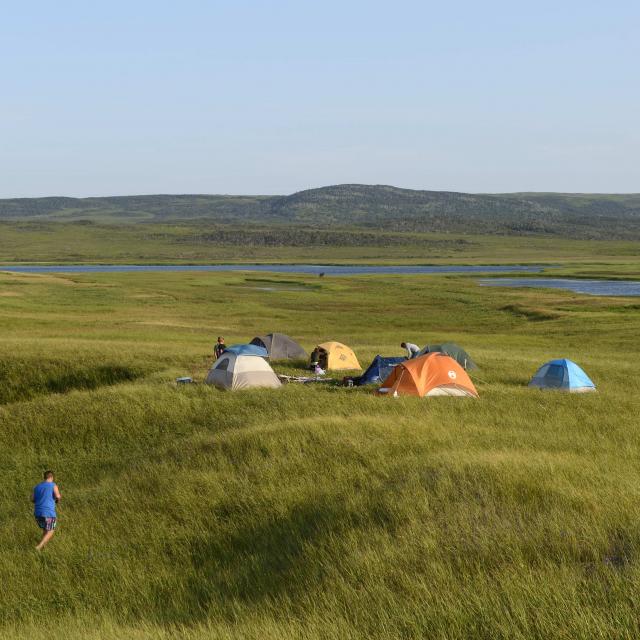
(280, 347)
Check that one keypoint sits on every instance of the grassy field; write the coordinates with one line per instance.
(29, 242)
(318, 512)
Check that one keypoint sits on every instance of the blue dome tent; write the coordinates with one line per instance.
(564, 375)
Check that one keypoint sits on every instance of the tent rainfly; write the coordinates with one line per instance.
(434, 374)
(335, 356)
(247, 350)
(378, 370)
(280, 347)
(454, 351)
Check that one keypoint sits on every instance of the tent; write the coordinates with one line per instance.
(335, 355)
(378, 370)
(562, 374)
(233, 371)
(434, 374)
(247, 350)
(280, 347)
(454, 351)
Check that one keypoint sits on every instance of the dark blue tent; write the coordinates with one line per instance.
(378, 370)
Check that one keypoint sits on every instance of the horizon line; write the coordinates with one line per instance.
(342, 184)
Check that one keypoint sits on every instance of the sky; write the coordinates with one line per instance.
(257, 97)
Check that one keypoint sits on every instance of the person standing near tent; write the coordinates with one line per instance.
(44, 497)
(314, 361)
(412, 349)
(219, 348)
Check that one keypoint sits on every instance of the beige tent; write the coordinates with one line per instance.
(234, 372)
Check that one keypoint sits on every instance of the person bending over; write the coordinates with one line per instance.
(412, 349)
(44, 497)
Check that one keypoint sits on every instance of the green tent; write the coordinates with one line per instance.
(453, 351)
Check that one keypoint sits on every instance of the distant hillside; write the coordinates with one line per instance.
(153, 208)
(370, 206)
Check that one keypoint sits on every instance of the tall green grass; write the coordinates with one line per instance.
(315, 511)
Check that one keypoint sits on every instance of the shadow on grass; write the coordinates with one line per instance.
(533, 314)
(23, 381)
(91, 378)
(279, 557)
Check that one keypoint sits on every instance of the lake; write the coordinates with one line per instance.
(590, 287)
(310, 269)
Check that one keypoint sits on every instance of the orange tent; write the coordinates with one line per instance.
(434, 374)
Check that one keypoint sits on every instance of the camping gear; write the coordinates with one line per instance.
(280, 347)
(237, 371)
(378, 370)
(304, 379)
(434, 374)
(247, 350)
(564, 375)
(335, 356)
(454, 351)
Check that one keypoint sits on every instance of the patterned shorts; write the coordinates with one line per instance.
(48, 524)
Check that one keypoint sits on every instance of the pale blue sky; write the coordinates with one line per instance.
(241, 96)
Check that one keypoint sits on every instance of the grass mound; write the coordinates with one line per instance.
(192, 507)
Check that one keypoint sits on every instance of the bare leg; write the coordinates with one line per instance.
(46, 536)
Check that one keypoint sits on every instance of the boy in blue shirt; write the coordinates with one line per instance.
(44, 497)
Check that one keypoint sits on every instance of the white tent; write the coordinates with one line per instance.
(232, 371)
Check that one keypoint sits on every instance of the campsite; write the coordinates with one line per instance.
(320, 321)
(316, 510)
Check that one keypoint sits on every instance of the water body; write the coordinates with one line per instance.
(310, 269)
(590, 287)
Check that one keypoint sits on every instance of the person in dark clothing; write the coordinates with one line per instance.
(314, 360)
(219, 347)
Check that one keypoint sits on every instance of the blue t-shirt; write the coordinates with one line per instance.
(43, 500)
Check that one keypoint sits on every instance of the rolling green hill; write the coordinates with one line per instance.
(585, 216)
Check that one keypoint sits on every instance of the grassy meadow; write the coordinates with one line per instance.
(206, 243)
(317, 511)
